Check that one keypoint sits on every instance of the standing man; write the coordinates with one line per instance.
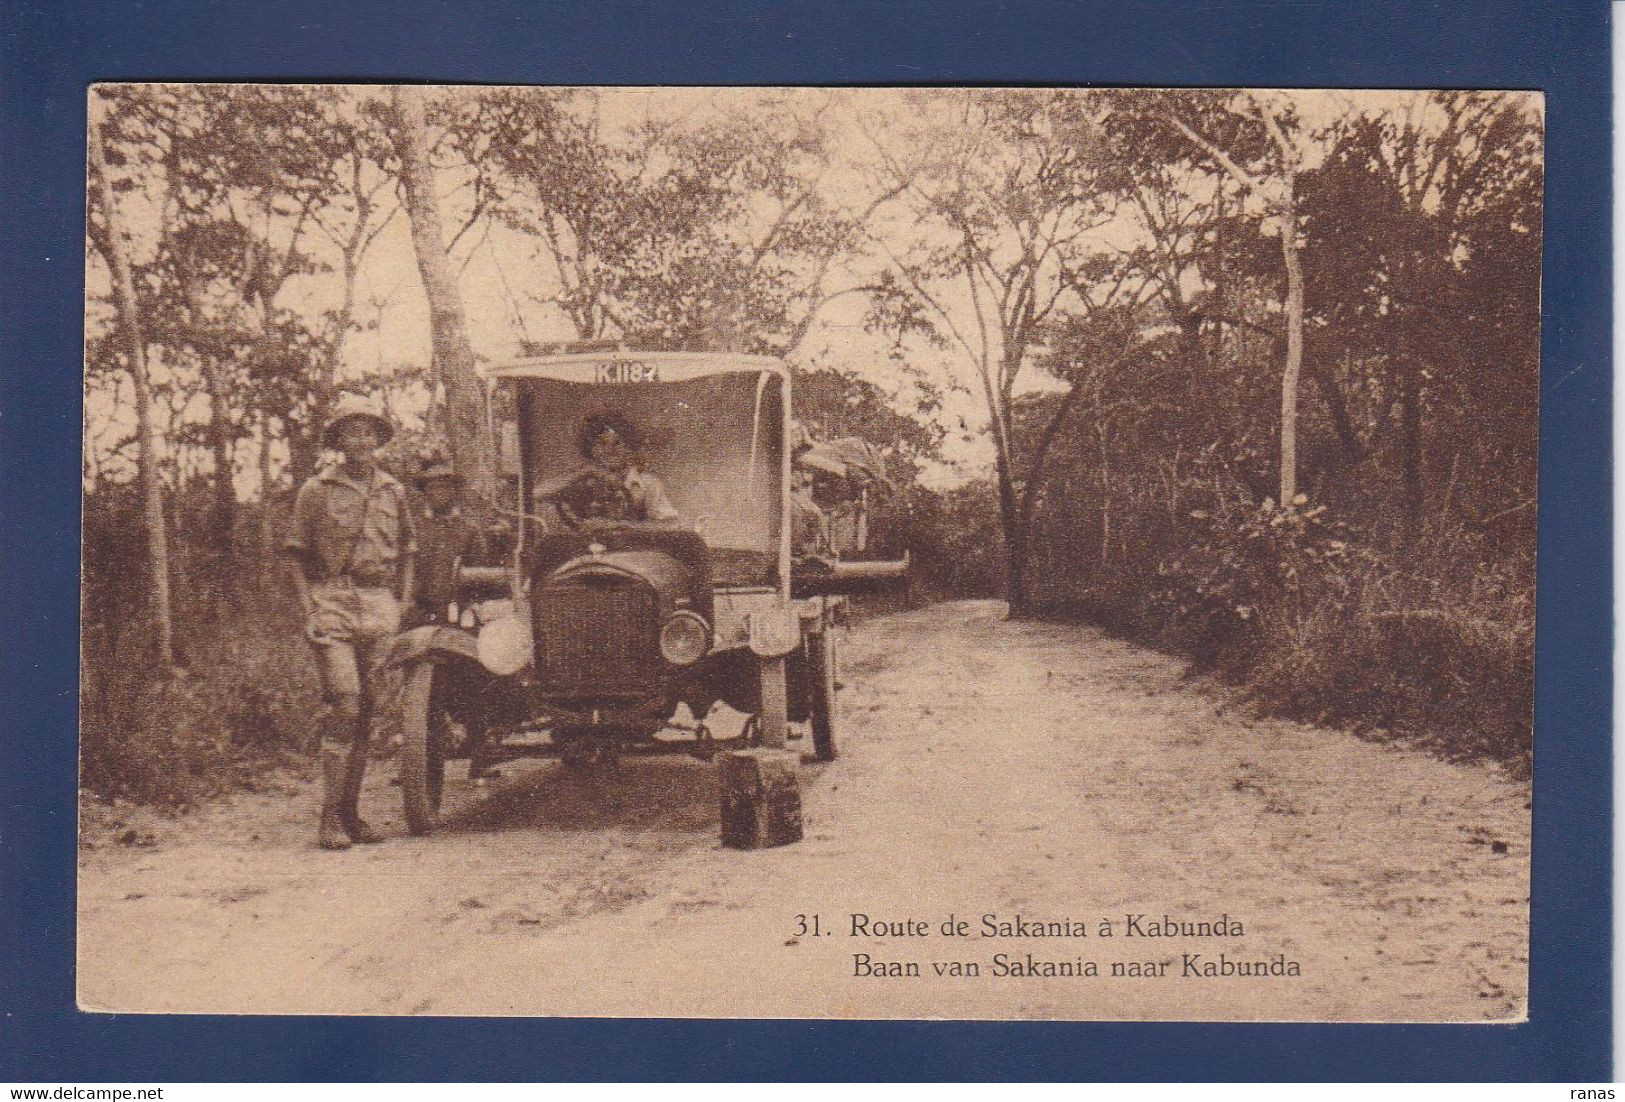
(445, 538)
(809, 525)
(353, 540)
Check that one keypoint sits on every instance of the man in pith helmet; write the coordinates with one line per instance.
(447, 537)
(353, 539)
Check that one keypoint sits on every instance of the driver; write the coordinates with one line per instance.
(609, 487)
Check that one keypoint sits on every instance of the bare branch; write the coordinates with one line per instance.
(1241, 175)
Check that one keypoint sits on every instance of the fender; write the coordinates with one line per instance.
(433, 643)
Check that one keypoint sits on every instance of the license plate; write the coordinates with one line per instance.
(626, 371)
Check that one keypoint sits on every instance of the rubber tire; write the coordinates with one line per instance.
(822, 711)
(773, 721)
(423, 760)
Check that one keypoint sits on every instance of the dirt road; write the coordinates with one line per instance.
(988, 768)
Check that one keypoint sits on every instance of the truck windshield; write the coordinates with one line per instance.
(715, 443)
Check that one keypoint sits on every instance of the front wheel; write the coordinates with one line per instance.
(821, 685)
(423, 750)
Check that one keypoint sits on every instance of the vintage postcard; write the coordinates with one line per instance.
(939, 553)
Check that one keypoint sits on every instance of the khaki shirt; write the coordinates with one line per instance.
(649, 498)
(345, 527)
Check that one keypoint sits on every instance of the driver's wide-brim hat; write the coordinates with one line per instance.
(352, 406)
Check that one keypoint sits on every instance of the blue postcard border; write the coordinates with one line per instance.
(51, 51)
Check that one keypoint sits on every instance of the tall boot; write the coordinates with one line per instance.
(355, 771)
(331, 833)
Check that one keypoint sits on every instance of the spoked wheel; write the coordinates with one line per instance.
(773, 721)
(424, 730)
(821, 679)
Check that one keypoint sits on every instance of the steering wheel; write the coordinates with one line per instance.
(593, 495)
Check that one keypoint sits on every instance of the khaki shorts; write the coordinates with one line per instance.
(348, 627)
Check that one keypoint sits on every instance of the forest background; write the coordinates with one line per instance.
(1251, 377)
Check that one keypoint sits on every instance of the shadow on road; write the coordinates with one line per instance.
(640, 793)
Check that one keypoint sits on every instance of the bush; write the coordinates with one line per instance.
(952, 537)
(245, 701)
(1432, 643)
(1246, 577)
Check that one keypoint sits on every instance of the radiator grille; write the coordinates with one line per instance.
(598, 635)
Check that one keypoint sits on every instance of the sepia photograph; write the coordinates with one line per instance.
(966, 553)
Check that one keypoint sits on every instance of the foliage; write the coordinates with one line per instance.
(832, 403)
(175, 740)
(951, 537)
(671, 235)
(245, 695)
(255, 196)
(1103, 272)
(1242, 566)
(1009, 194)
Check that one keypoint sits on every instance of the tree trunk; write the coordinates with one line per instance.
(262, 459)
(1294, 350)
(305, 445)
(1105, 502)
(1348, 438)
(152, 494)
(1410, 442)
(453, 355)
(1015, 539)
(224, 513)
(1015, 543)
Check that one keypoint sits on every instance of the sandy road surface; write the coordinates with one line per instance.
(987, 768)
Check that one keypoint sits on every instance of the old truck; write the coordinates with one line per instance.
(620, 634)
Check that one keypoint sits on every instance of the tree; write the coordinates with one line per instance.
(249, 192)
(354, 176)
(1007, 203)
(1267, 169)
(453, 355)
(1216, 277)
(830, 403)
(674, 233)
(1425, 223)
(111, 243)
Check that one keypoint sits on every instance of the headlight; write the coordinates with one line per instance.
(504, 645)
(774, 632)
(684, 639)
